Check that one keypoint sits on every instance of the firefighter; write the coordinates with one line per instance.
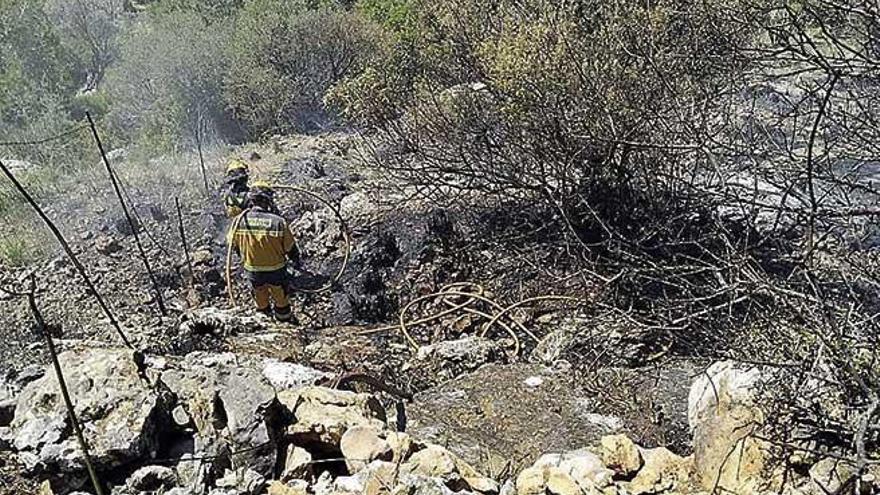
(265, 243)
(236, 188)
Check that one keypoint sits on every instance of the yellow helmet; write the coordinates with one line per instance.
(235, 165)
(260, 190)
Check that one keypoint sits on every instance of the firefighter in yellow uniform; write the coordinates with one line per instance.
(236, 187)
(264, 242)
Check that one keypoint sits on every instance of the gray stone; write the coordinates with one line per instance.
(291, 376)
(230, 403)
(118, 411)
(323, 415)
(107, 245)
(241, 482)
(453, 357)
(152, 478)
(28, 374)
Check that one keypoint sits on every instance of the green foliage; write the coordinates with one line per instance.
(534, 98)
(167, 83)
(285, 55)
(20, 248)
(88, 29)
(34, 66)
(396, 16)
(210, 10)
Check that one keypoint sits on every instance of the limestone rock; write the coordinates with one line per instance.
(107, 245)
(452, 357)
(324, 415)
(152, 479)
(560, 482)
(724, 384)
(530, 481)
(202, 257)
(621, 455)
(402, 445)
(570, 472)
(830, 475)
(481, 484)
(46, 488)
(662, 471)
(434, 462)
(291, 376)
(384, 478)
(379, 477)
(361, 445)
(723, 415)
(118, 411)
(298, 463)
(230, 403)
(279, 488)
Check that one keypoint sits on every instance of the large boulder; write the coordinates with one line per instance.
(569, 473)
(118, 410)
(323, 415)
(724, 416)
(231, 405)
(503, 412)
(362, 445)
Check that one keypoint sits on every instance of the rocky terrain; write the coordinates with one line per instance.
(556, 398)
(240, 424)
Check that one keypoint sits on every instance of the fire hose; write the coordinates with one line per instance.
(470, 292)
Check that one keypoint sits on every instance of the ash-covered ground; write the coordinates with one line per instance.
(598, 374)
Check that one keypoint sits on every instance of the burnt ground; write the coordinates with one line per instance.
(591, 363)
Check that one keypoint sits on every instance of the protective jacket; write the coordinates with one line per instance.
(262, 239)
(235, 199)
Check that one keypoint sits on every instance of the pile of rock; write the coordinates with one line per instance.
(226, 424)
(616, 466)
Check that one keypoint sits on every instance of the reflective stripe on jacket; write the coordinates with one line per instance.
(262, 239)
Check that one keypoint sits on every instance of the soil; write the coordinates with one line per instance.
(400, 251)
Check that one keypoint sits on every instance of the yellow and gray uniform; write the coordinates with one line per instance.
(235, 199)
(263, 240)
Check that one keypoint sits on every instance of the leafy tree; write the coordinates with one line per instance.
(34, 75)
(166, 86)
(396, 16)
(89, 29)
(210, 10)
(284, 56)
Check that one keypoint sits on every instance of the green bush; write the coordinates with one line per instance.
(167, 85)
(285, 55)
(35, 69)
(540, 99)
